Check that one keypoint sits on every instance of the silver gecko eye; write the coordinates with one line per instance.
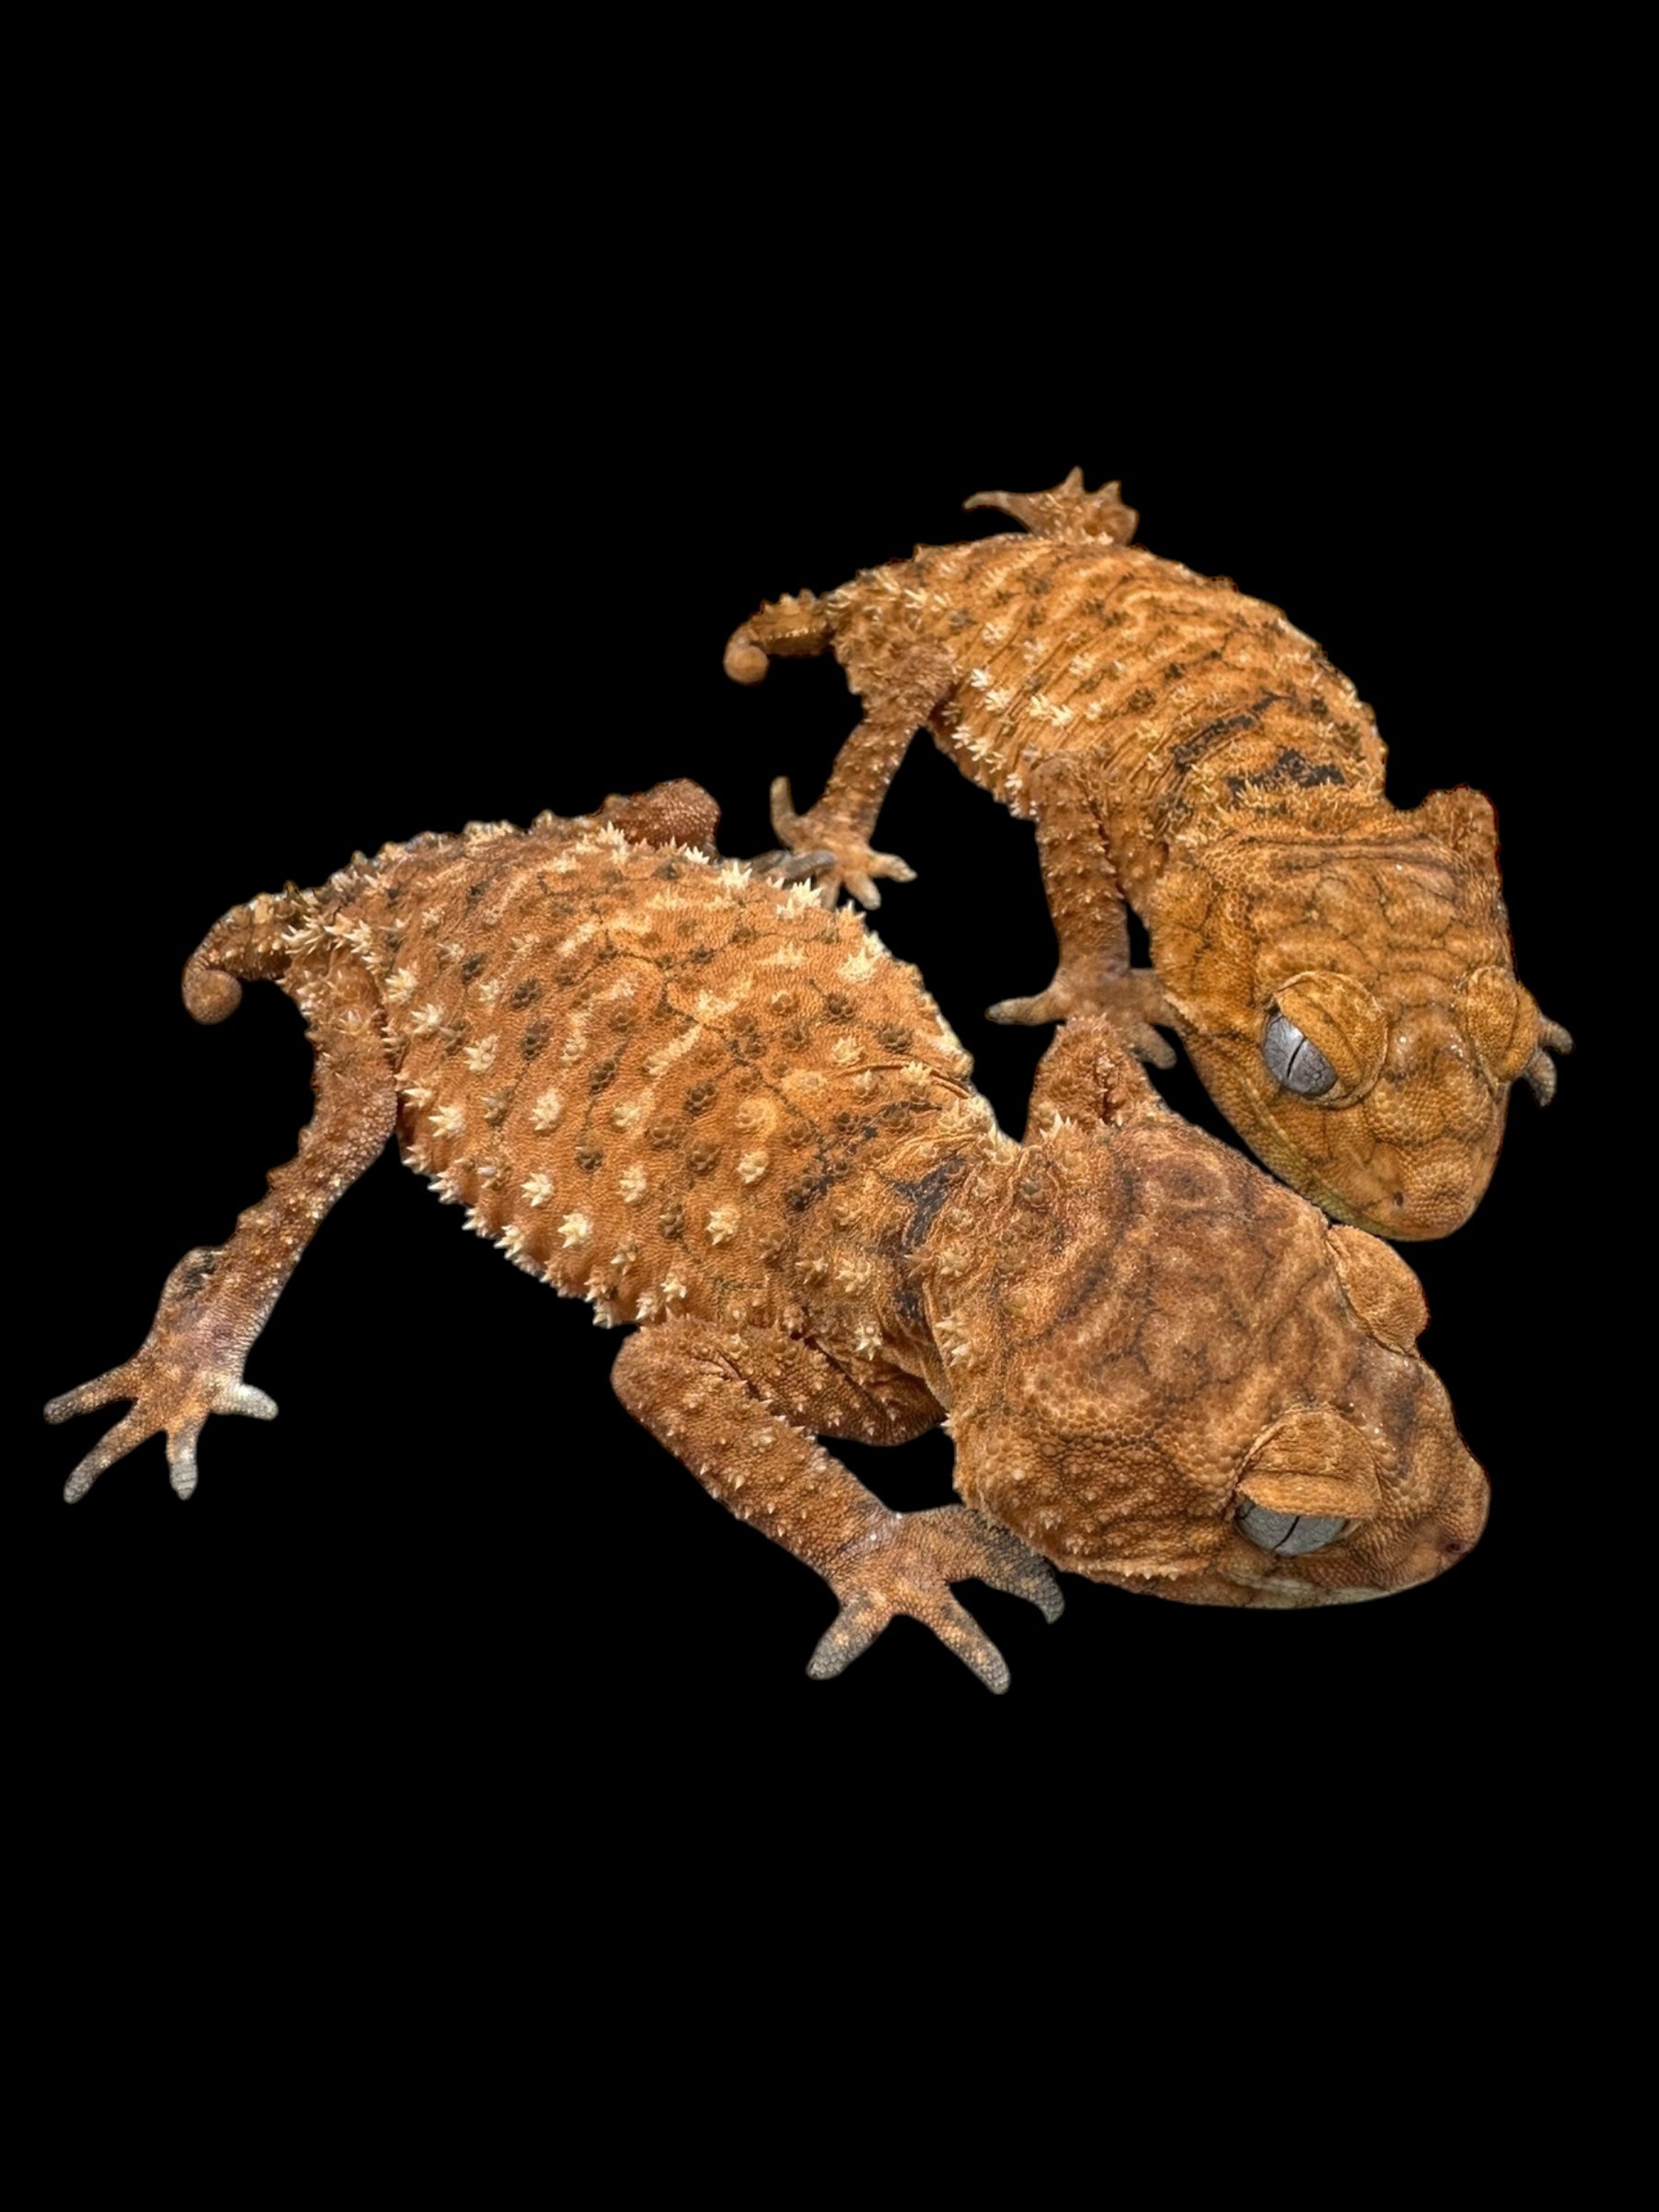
(1292, 1061)
(1287, 1533)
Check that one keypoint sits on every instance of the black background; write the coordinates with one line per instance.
(355, 542)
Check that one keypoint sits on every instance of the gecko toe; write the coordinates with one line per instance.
(241, 1397)
(848, 1637)
(959, 1631)
(181, 1465)
(116, 1446)
(88, 1396)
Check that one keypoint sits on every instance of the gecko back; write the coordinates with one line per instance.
(687, 1092)
(1338, 969)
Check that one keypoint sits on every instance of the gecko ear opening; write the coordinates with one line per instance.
(1312, 1462)
(1500, 1021)
(1380, 1287)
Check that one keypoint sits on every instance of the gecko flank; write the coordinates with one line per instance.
(1338, 969)
(683, 1090)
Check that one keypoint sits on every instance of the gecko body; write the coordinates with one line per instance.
(1338, 969)
(682, 1090)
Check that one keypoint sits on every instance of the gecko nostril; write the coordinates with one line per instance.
(1399, 1198)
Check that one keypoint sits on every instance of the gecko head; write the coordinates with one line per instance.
(1349, 1001)
(1205, 1390)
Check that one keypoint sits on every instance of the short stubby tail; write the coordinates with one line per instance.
(788, 628)
(246, 942)
(676, 813)
(1067, 511)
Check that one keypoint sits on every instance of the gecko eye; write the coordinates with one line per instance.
(1287, 1533)
(1294, 1062)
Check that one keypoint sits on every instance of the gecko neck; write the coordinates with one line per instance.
(1264, 769)
(961, 1235)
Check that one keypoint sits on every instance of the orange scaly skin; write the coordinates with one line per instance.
(688, 1093)
(1183, 748)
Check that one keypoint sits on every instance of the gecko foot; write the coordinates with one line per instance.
(189, 1366)
(853, 866)
(1132, 1002)
(908, 1567)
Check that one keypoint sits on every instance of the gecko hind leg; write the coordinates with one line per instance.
(218, 1299)
(896, 705)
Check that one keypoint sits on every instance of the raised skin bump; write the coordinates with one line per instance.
(1184, 751)
(682, 1089)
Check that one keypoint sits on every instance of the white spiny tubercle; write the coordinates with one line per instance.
(574, 1229)
(751, 1166)
(481, 1057)
(722, 1224)
(399, 986)
(426, 1021)
(448, 1121)
(846, 1051)
(867, 1340)
(863, 963)
(673, 1287)
(546, 1112)
(633, 1184)
(538, 1188)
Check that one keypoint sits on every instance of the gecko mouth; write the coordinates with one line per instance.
(1286, 1593)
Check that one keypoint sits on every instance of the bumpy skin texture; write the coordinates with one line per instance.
(1181, 747)
(692, 1096)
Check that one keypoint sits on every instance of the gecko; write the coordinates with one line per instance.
(1338, 969)
(692, 1094)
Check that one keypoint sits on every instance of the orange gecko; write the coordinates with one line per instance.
(1338, 969)
(682, 1089)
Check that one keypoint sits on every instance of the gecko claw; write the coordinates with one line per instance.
(1539, 1074)
(792, 867)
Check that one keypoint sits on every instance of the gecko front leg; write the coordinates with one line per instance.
(218, 1299)
(1090, 919)
(742, 1408)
